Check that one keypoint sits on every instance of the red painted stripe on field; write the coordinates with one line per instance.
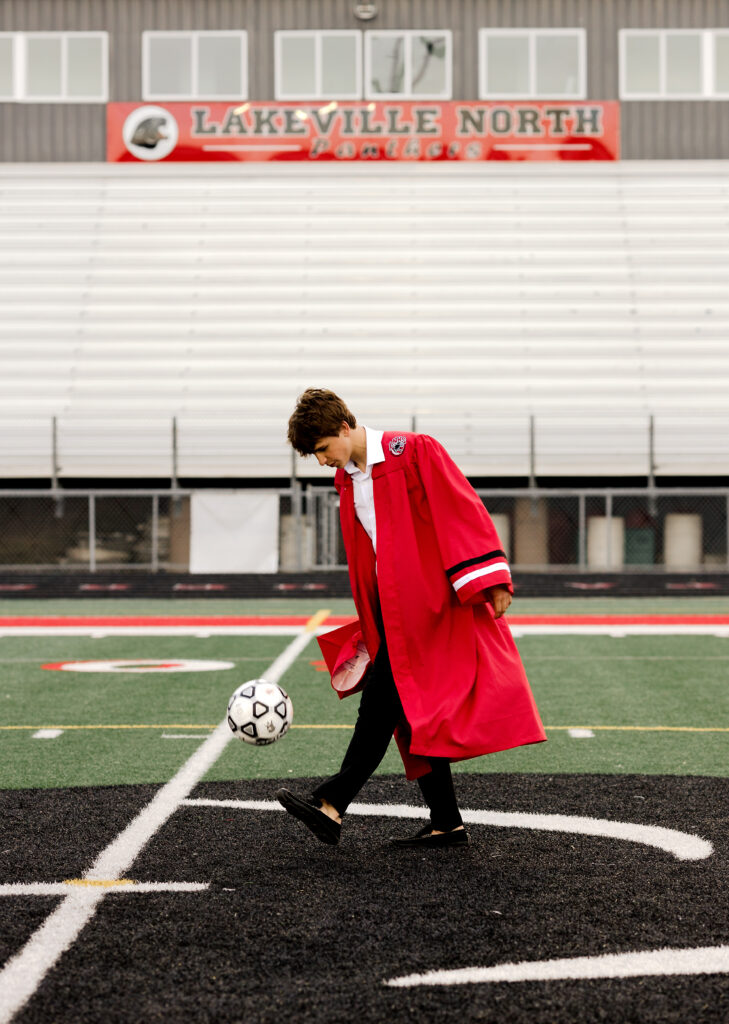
(619, 620)
(338, 620)
(165, 620)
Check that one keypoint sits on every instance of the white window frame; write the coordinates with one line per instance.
(707, 64)
(716, 95)
(12, 97)
(317, 35)
(195, 95)
(447, 94)
(531, 34)
(20, 64)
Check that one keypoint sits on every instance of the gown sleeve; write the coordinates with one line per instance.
(470, 549)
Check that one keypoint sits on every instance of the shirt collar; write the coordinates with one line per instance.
(375, 453)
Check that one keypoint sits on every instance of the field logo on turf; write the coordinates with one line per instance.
(138, 665)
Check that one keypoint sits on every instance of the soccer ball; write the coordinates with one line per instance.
(260, 712)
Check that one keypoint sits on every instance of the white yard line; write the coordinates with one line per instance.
(112, 887)
(24, 972)
(682, 845)
(185, 735)
(652, 962)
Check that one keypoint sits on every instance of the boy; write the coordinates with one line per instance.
(433, 656)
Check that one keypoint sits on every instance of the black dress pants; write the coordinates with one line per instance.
(380, 710)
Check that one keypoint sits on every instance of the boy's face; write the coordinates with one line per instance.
(335, 451)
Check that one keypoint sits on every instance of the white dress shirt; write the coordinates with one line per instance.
(364, 498)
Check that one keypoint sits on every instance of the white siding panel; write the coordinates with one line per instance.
(464, 299)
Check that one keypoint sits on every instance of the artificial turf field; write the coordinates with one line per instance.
(146, 873)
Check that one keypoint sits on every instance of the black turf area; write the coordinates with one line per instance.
(292, 930)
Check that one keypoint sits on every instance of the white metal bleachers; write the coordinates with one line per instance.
(589, 296)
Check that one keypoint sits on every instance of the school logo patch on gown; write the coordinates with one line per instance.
(397, 445)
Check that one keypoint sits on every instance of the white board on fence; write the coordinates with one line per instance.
(234, 532)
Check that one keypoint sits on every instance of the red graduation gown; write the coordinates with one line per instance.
(462, 685)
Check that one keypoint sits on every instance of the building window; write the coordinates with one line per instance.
(415, 64)
(721, 64)
(532, 64)
(194, 65)
(670, 64)
(318, 65)
(54, 67)
(7, 66)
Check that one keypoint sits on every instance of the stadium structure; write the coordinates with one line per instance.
(499, 222)
(504, 224)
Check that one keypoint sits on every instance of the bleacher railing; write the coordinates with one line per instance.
(486, 444)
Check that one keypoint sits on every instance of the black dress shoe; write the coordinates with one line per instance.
(324, 828)
(426, 839)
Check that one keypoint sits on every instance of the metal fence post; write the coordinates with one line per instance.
(322, 507)
(296, 512)
(333, 535)
(609, 529)
(92, 533)
(155, 533)
(55, 468)
(532, 453)
(581, 523)
(174, 453)
(652, 503)
(176, 502)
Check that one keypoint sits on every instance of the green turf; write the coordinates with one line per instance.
(588, 681)
(343, 606)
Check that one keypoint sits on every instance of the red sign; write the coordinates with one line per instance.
(363, 131)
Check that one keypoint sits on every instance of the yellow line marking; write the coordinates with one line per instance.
(177, 725)
(174, 725)
(106, 883)
(316, 620)
(643, 728)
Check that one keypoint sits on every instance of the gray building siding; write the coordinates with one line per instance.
(650, 130)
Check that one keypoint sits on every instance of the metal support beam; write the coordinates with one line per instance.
(176, 509)
(296, 514)
(154, 555)
(92, 533)
(581, 532)
(55, 469)
(532, 453)
(652, 503)
(174, 454)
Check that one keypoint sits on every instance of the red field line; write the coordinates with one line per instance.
(619, 620)
(338, 620)
(162, 620)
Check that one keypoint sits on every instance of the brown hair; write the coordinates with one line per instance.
(319, 413)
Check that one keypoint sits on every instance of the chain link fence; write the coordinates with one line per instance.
(618, 529)
(615, 529)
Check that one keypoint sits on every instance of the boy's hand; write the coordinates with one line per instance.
(500, 598)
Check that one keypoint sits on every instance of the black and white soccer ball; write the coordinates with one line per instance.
(260, 712)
